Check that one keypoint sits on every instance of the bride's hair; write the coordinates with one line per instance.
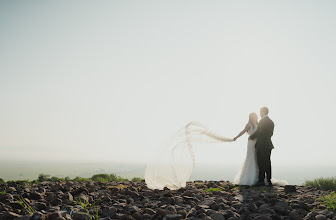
(253, 119)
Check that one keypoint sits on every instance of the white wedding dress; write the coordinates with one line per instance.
(248, 174)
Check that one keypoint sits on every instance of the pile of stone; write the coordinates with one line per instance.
(218, 200)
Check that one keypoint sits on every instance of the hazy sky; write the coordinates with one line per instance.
(111, 80)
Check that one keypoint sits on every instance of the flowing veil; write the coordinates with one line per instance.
(173, 166)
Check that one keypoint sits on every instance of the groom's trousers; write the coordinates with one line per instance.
(264, 164)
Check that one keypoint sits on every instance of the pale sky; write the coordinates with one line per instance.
(111, 80)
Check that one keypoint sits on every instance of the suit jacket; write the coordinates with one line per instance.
(264, 133)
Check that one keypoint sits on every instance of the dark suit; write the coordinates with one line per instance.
(264, 147)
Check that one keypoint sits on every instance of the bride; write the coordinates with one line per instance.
(248, 174)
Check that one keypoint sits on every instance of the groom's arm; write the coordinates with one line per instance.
(255, 134)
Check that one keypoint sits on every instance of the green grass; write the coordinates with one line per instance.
(262, 190)
(25, 205)
(136, 179)
(213, 190)
(82, 203)
(328, 183)
(3, 192)
(107, 178)
(87, 206)
(238, 187)
(80, 179)
(330, 201)
(97, 178)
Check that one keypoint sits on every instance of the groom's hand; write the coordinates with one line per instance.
(249, 138)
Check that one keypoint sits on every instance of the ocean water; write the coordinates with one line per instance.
(20, 170)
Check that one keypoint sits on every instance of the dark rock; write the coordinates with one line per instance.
(6, 197)
(294, 215)
(208, 202)
(41, 190)
(79, 191)
(173, 217)
(109, 212)
(265, 210)
(81, 216)
(161, 212)
(168, 194)
(25, 217)
(137, 215)
(217, 216)
(290, 188)
(182, 212)
(210, 211)
(10, 216)
(310, 216)
(263, 217)
(149, 211)
(252, 207)
(67, 196)
(15, 205)
(41, 205)
(228, 213)
(304, 206)
(38, 216)
(57, 187)
(167, 200)
(56, 201)
(188, 193)
(171, 209)
(53, 216)
(280, 209)
(321, 217)
(35, 196)
(146, 216)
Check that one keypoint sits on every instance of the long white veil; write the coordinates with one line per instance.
(173, 167)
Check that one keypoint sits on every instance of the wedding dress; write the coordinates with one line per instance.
(248, 174)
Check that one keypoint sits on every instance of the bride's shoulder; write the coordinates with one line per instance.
(248, 126)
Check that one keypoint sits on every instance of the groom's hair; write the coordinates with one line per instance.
(265, 110)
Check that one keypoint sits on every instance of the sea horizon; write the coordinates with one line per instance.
(29, 170)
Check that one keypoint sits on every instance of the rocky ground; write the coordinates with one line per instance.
(133, 200)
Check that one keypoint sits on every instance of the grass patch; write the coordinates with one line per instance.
(238, 187)
(97, 178)
(87, 206)
(213, 190)
(330, 201)
(262, 190)
(328, 183)
(25, 205)
(136, 179)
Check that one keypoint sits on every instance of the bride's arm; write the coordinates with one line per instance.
(247, 127)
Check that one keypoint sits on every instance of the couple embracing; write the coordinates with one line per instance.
(256, 169)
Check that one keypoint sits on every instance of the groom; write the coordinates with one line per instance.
(264, 146)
